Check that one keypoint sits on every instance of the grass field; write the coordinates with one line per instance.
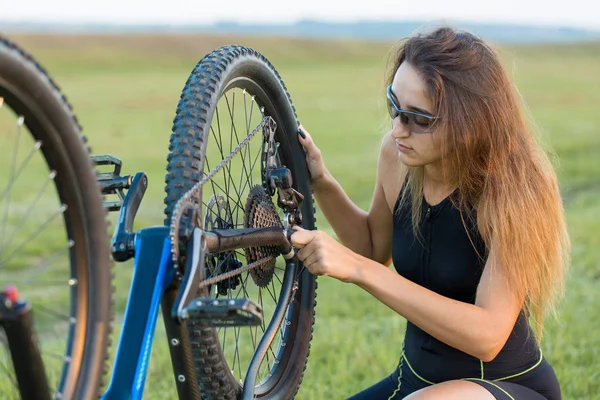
(124, 90)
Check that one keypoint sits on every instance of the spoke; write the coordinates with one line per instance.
(57, 282)
(48, 311)
(45, 265)
(35, 148)
(300, 272)
(213, 184)
(270, 293)
(252, 165)
(268, 361)
(219, 129)
(237, 351)
(33, 235)
(241, 287)
(249, 181)
(280, 331)
(11, 178)
(247, 133)
(273, 355)
(278, 278)
(274, 289)
(219, 143)
(10, 374)
(227, 193)
(258, 156)
(237, 192)
(239, 253)
(27, 213)
(234, 131)
(237, 203)
(225, 330)
(236, 333)
(227, 172)
(253, 337)
(227, 168)
(231, 111)
(60, 357)
(262, 324)
(248, 148)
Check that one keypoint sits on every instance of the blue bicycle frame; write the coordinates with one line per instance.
(153, 272)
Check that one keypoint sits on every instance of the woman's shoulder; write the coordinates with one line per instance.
(391, 173)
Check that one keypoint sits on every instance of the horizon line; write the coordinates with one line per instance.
(422, 21)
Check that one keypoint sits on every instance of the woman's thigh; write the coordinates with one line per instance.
(453, 390)
(384, 389)
(476, 390)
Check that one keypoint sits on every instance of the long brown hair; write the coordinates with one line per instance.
(490, 153)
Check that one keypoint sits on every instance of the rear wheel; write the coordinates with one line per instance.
(226, 97)
(53, 240)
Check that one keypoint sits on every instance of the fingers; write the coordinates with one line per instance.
(313, 265)
(309, 253)
(301, 131)
(305, 139)
(305, 253)
(301, 237)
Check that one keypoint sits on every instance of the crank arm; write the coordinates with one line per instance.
(123, 240)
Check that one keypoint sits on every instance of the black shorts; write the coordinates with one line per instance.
(538, 384)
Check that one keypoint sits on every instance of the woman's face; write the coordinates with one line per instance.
(409, 93)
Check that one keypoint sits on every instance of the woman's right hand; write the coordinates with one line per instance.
(314, 160)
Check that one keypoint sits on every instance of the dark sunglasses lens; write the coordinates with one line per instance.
(419, 124)
(391, 111)
(404, 119)
(391, 108)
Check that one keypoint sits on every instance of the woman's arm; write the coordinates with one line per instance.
(366, 233)
(479, 329)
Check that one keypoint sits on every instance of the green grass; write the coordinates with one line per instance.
(125, 89)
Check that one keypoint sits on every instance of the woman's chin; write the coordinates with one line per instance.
(408, 160)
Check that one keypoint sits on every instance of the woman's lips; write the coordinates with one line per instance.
(403, 148)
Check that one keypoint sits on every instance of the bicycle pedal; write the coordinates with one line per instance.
(224, 312)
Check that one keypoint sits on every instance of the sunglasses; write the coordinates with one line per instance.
(417, 122)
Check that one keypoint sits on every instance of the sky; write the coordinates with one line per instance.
(576, 13)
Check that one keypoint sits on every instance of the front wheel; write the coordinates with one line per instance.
(228, 94)
(53, 240)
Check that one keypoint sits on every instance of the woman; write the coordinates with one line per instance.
(467, 207)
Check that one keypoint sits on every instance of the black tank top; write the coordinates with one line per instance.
(447, 261)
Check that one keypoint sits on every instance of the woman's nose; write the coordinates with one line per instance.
(399, 130)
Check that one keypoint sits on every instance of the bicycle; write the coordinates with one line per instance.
(209, 267)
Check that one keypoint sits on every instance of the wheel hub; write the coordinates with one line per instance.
(218, 216)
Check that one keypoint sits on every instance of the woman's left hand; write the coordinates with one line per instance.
(323, 255)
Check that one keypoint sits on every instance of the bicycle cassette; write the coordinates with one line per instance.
(260, 212)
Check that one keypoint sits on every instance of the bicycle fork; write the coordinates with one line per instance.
(17, 321)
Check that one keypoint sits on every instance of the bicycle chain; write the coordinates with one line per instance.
(186, 201)
(237, 271)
